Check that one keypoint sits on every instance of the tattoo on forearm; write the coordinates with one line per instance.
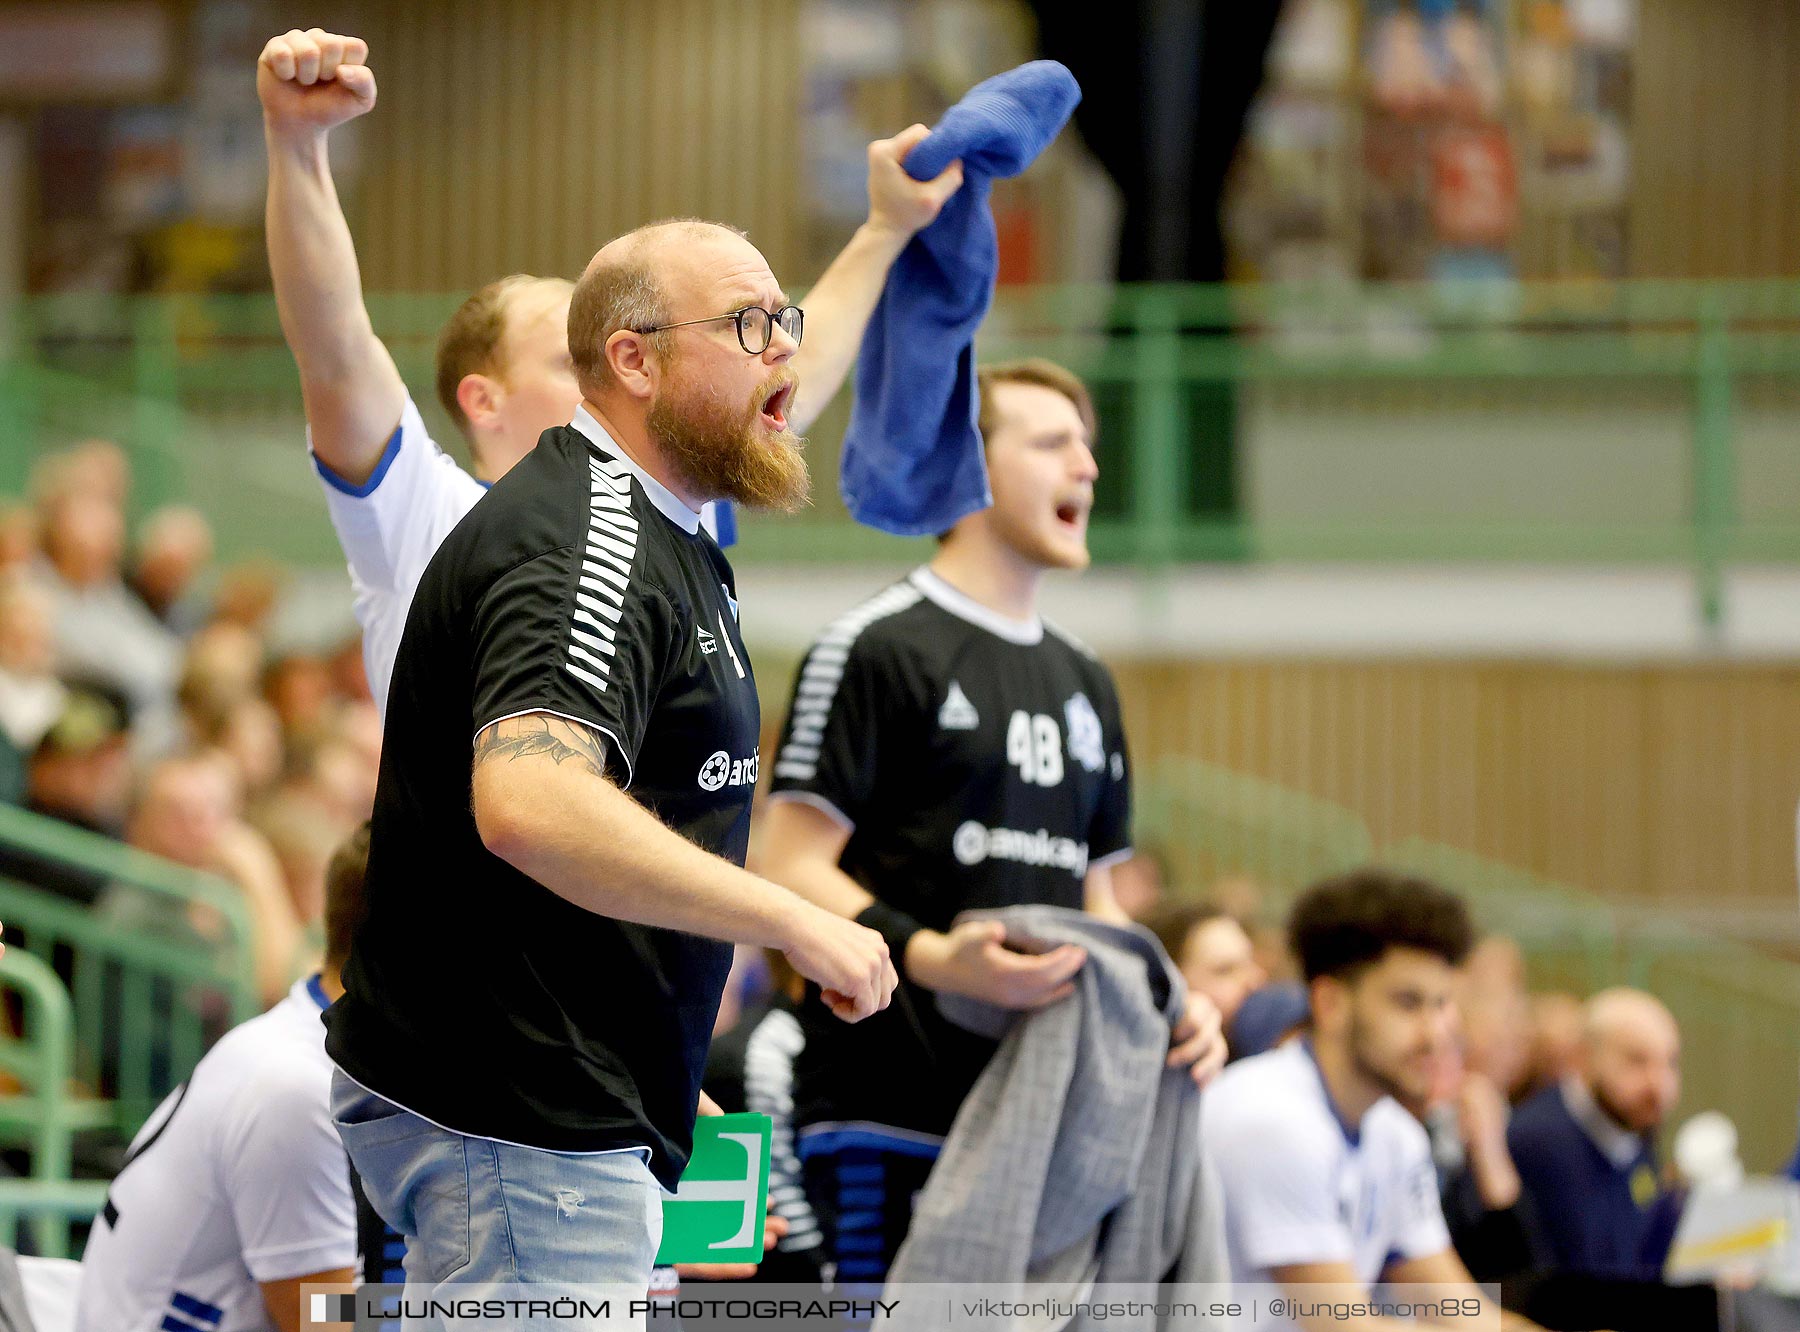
(527, 737)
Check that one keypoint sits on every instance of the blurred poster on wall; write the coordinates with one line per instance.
(1416, 140)
(1289, 204)
(155, 186)
(1573, 84)
(1442, 190)
(875, 66)
(73, 51)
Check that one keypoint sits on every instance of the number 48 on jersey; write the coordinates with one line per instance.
(1034, 745)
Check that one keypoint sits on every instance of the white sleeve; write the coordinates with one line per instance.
(389, 527)
(288, 1179)
(1277, 1177)
(1418, 1224)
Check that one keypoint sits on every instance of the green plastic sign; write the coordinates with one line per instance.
(716, 1214)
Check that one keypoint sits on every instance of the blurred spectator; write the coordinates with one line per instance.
(1241, 896)
(182, 810)
(359, 723)
(1244, 897)
(350, 677)
(96, 467)
(249, 735)
(1555, 1041)
(1267, 1018)
(1212, 952)
(1491, 1224)
(104, 633)
(247, 594)
(1467, 1116)
(174, 547)
(1496, 1015)
(332, 773)
(1586, 1149)
(31, 697)
(186, 812)
(18, 536)
(79, 773)
(303, 838)
(224, 665)
(299, 687)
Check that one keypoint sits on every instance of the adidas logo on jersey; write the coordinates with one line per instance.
(957, 714)
(708, 644)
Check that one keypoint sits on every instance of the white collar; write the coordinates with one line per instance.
(1026, 633)
(672, 506)
(1617, 1143)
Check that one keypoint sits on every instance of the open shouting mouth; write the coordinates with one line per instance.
(775, 407)
(1072, 514)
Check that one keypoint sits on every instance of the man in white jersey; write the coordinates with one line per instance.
(1329, 1183)
(503, 368)
(236, 1190)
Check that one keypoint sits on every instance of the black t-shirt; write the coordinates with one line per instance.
(980, 763)
(475, 996)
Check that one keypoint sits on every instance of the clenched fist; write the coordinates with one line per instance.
(897, 203)
(311, 81)
(848, 962)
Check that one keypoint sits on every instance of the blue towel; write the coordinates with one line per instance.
(912, 461)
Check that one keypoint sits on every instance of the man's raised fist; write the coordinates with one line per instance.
(311, 81)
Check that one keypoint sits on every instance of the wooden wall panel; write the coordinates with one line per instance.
(522, 136)
(1661, 786)
(1715, 139)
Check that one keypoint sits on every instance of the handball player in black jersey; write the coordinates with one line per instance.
(946, 749)
(555, 870)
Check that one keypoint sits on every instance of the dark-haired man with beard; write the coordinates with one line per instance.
(514, 1118)
(1329, 1184)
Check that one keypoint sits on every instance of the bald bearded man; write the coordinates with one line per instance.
(1586, 1149)
(582, 628)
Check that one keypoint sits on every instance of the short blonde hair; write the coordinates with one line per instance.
(1041, 373)
(471, 343)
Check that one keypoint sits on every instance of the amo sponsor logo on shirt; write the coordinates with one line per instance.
(974, 843)
(721, 770)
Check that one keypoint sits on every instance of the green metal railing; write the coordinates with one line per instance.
(46, 1112)
(145, 1002)
(1195, 385)
(54, 1208)
(1210, 823)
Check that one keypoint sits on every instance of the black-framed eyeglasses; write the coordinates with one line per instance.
(755, 325)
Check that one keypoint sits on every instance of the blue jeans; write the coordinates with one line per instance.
(478, 1214)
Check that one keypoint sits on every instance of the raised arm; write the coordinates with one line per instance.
(840, 303)
(309, 83)
(544, 805)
